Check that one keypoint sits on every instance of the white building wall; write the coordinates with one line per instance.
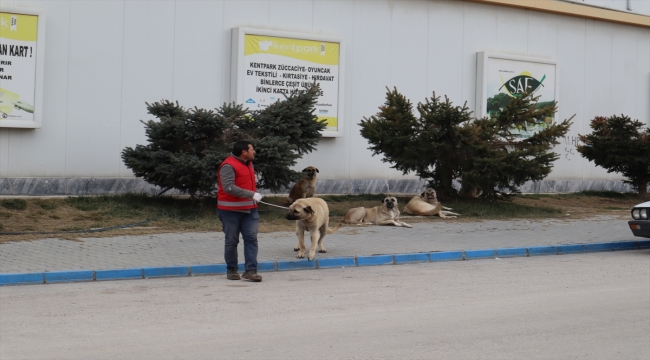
(105, 59)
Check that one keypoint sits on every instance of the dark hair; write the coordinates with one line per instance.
(240, 146)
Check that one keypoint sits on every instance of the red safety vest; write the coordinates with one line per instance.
(244, 178)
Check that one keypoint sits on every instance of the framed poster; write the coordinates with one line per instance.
(22, 40)
(268, 65)
(501, 77)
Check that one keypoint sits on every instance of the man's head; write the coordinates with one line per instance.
(244, 150)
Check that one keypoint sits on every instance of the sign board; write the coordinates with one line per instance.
(268, 65)
(22, 40)
(501, 77)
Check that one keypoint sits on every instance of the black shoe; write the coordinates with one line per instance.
(232, 274)
(252, 275)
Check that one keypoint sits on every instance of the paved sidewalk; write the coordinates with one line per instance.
(207, 248)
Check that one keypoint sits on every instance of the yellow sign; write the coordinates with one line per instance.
(18, 26)
(319, 52)
(8, 101)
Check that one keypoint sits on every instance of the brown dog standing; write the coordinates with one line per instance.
(306, 187)
(313, 215)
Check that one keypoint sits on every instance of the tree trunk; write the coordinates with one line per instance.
(642, 185)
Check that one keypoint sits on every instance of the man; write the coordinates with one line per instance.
(237, 199)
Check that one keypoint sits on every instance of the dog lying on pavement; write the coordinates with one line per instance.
(311, 214)
(385, 214)
(306, 187)
(427, 204)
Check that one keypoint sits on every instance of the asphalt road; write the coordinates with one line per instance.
(586, 306)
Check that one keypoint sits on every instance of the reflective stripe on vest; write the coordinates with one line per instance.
(239, 203)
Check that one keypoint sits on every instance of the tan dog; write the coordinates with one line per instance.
(313, 215)
(306, 187)
(427, 204)
(385, 214)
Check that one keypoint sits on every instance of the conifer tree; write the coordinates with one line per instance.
(620, 144)
(186, 146)
(499, 162)
(445, 143)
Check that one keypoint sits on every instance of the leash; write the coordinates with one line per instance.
(281, 207)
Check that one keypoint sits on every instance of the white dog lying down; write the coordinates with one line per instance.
(384, 214)
(427, 204)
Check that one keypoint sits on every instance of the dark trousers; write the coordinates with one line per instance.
(234, 223)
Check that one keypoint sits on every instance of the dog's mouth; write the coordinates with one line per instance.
(390, 204)
(291, 216)
(429, 197)
(310, 175)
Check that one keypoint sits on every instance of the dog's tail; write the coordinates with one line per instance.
(333, 230)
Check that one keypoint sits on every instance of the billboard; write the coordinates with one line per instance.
(21, 67)
(503, 77)
(269, 65)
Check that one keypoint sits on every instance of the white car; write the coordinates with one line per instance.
(640, 226)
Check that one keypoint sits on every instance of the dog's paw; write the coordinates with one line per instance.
(311, 257)
(300, 255)
(408, 226)
(296, 249)
(322, 251)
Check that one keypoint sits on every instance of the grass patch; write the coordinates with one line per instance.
(48, 205)
(502, 210)
(615, 208)
(14, 204)
(176, 214)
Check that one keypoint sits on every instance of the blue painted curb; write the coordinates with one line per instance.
(625, 245)
(480, 254)
(542, 250)
(570, 248)
(118, 274)
(434, 256)
(644, 244)
(375, 260)
(512, 252)
(336, 262)
(411, 258)
(599, 247)
(445, 256)
(150, 272)
(266, 266)
(211, 269)
(21, 279)
(69, 276)
(294, 265)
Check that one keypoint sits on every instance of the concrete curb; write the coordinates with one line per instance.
(326, 263)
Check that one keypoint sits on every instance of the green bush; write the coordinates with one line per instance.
(620, 144)
(186, 147)
(14, 204)
(443, 142)
(48, 205)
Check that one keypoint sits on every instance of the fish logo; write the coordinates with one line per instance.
(524, 82)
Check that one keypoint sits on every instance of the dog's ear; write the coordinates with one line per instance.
(309, 210)
(304, 170)
(422, 194)
(317, 170)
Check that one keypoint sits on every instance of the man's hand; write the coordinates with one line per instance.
(257, 197)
